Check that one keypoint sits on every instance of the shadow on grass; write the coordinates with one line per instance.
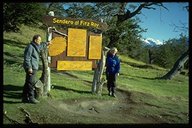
(69, 89)
(64, 73)
(87, 82)
(142, 77)
(148, 78)
(14, 43)
(12, 59)
(10, 87)
(11, 93)
(139, 65)
(72, 76)
(11, 102)
(13, 55)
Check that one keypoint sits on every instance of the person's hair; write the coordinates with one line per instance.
(113, 49)
(35, 37)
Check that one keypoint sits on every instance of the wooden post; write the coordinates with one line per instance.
(94, 84)
(44, 76)
(101, 67)
(43, 86)
(98, 81)
(49, 38)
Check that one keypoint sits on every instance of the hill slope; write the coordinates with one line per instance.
(140, 97)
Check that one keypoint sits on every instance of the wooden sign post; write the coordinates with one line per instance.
(76, 43)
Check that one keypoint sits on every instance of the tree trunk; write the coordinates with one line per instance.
(41, 87)
(150, 56)
(98, 81)
(114, 37)
(44, 76)
(177, 66)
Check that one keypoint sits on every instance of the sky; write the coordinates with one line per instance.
(160, 22)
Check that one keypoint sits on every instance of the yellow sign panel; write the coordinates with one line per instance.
(76, 42)
(58, 46)
(95, 45)
(74, 65)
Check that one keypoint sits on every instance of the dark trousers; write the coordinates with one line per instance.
(28, 89)
(111, 82)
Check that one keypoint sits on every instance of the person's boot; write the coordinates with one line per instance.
(113, 92)
(33, 100)
(110, 93)
(113, 95)
(25, 100)
(32, 97)
(24, 95)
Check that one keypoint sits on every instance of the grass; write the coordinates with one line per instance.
(161, 99)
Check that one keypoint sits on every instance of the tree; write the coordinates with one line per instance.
(57, 8)
(123, 15)
(42, 84)
(123, 32)
(177, 66)
(125, 35)
(165, 55)
(81, 10)
(15, 14)
(117, 33)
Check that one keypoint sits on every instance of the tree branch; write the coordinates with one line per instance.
(11, 120)
(127, 15)
(27, 116)
(122, 8)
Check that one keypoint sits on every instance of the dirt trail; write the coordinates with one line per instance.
(117, 110)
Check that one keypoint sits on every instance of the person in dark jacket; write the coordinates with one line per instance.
(112, 70)
(31, 65)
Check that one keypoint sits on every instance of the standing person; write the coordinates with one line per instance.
(112, 70)
(31, 65)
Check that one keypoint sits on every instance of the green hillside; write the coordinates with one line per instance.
(140, 97)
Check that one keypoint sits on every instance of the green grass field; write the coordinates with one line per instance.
(165, 100)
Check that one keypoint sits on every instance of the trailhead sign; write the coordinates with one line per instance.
(74, 45)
